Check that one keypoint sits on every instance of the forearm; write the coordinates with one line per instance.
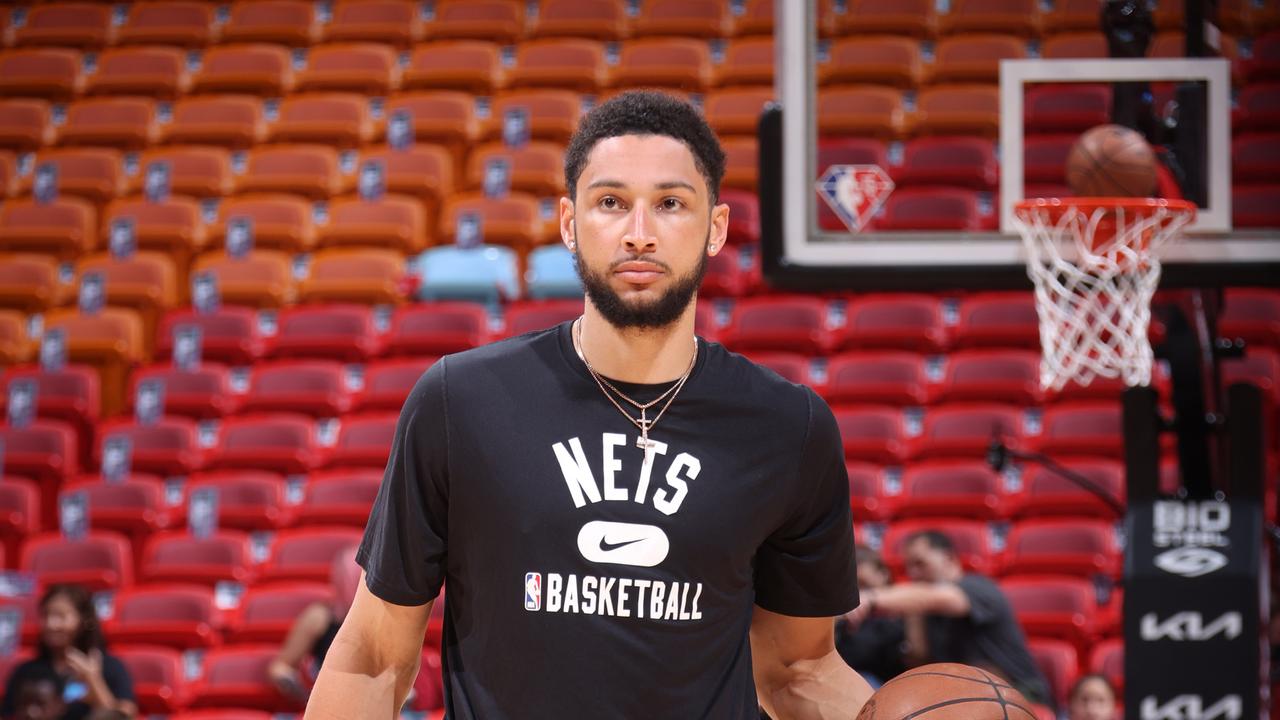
(98, 695)
(822, 689)
(916, 599)
(358, 681)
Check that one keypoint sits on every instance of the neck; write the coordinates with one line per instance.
(637, 355)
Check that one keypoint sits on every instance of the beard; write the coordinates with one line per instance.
(657, 313)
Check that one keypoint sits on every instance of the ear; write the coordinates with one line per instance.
(719, 229)
(567, 228)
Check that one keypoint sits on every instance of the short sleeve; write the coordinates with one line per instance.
(806, 567)
(404, 545)
(986, 604)
(117, 677)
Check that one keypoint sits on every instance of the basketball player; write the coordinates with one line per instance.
(631, 522)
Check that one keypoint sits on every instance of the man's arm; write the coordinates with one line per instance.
(912, 599)
(373, 661)
(799, 675)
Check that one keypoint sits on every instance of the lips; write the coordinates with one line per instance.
(638, 272)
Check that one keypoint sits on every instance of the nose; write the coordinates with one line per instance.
(640, 239)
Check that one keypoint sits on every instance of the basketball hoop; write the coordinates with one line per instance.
(1095, 263)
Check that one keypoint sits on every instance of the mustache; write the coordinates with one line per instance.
(640, 258)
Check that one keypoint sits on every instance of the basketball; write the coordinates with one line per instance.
(946, 691)
(1111, 161)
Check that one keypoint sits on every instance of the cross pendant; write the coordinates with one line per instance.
(643, 442)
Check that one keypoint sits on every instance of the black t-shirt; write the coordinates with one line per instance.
(114, 674)
(874, 648)
(989, 636)
(584, 581)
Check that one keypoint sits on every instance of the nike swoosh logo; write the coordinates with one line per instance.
(606, 546)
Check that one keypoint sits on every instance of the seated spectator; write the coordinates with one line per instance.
(874, 648)
(71, 648)
(36, 696)
(1092, 698)
(967, 619)
(313, 632)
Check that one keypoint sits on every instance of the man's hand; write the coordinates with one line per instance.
(798, 673)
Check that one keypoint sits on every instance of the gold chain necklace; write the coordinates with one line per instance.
(643, 422)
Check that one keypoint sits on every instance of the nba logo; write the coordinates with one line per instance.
(533, 591)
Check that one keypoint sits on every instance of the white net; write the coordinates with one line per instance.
(1095, 264)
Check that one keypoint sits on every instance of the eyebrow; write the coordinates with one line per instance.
(667, 185)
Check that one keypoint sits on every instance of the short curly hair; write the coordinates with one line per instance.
(645, 112)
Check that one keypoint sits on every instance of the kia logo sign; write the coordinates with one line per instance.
(1192, 707)
(1190, 627)
(1191, 562)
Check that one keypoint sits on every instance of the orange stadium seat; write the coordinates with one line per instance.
(357, 275)
(202, 393)
(1174, 45)
(280, 222)
(970, 537)
(367, 68)
(1046, 494)
(537, 167)
(736, 111)
(435, 329)
(997, 320)
(930, 208)
(1065, 546)
(67, 24)
(494, 20)
(50, 73)
(363, 441)
(747, 61)
(95, 174)
(597, 20)
(340, 119)
(966, 488)
(701, 19)
(230, 335)
(1067, 107)
(975, 58)
(154, 71)
(861, 111)
(756, 18)
(470, 66)
(112, 341)
(423, 171)
(1074, 45)
(393, 221)
(173, 226)
(310, 170)
(446, 117)
(200, 172)
(876, 59)
(513, 220)
(281, 443)
(1087, 428)
(169, 446)
(236, 676)
(553, 114)
(65, 228)
(46, 452)
(668, 62)
(741, 162)
(965, 430)
(25, 123)
(256, 69)
(887, 377)
(234, 121)
(311, 387)
(30, 283)
(15, 346)
(798, 324)
(916, 18)
(100, 561)
(1252, 314)
(19, 517)
(570, 63)
(247, 499)
(873, 434)
(964, 161)
(995, 375)
(134, 506)
(266, 612)
(388, 382)
(524, 317)
(307, 554)
(159, 682)
(1074, 15)
(128, 123)
(178, 23)
(72, 394)
(1020, 17)
(178, 557)
(958, 110)
(287, 22)
(901, 322)
(397, 22)
(146, 282)
(343, 332)
(344, 496)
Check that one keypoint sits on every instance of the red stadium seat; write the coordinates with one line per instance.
(680, 63)
(1257, 108)
(877, 377)
(159, 684)
(179, 557)
(247, 499)
(71, 393)
(184, 24)
(866, 491)
(963, 161)
(100, 561)
(128, 123)
(744, 216)
(1260, 366)
(971, 538)
(344, 496)
(1254, 157)
(309, 170)
(266, 613)
(1059, 663)
(169, 446)
(355, 275)
(930, 208)
(1011, 376)
(597, 20)
(231, 714)
(64, 228)
(793, 367)
(905, 322)
(84, 25)
(1021, 17)
(25, 123)
(111, 340)
(236, 676)
(725, 276)
(437, 328)
(341, 119)
(311, 387)
(387, 383)
(1044, 157)
(1082, 429)
(975, 58)
(997, 319)
(958, 109)
(1066, 107)
(28, 608)
(917, 18)
(134, 508)
(1255, 205)
(229, 335)
(159, 72)
(873, 434)
(429, 686)
(146, 282)
(1054, 607)
(1045, 493)
(50, 73)
(234, 121)
(45, 451)
(392, 221)
(569, 63)
(306, 554)
(784, 323)
(1252, 314)
(264, 70)
(19, 513)
(469, 66)
(175, 616)
(846, 151)
(1062, 546)
(493, 20)
(341, 332)
(287, 22)
(397, 22)
(281, 442)
(364, 441)
(526, 317)
(965, 431)
(1107, 658)
(363, 68)
(950, 489)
